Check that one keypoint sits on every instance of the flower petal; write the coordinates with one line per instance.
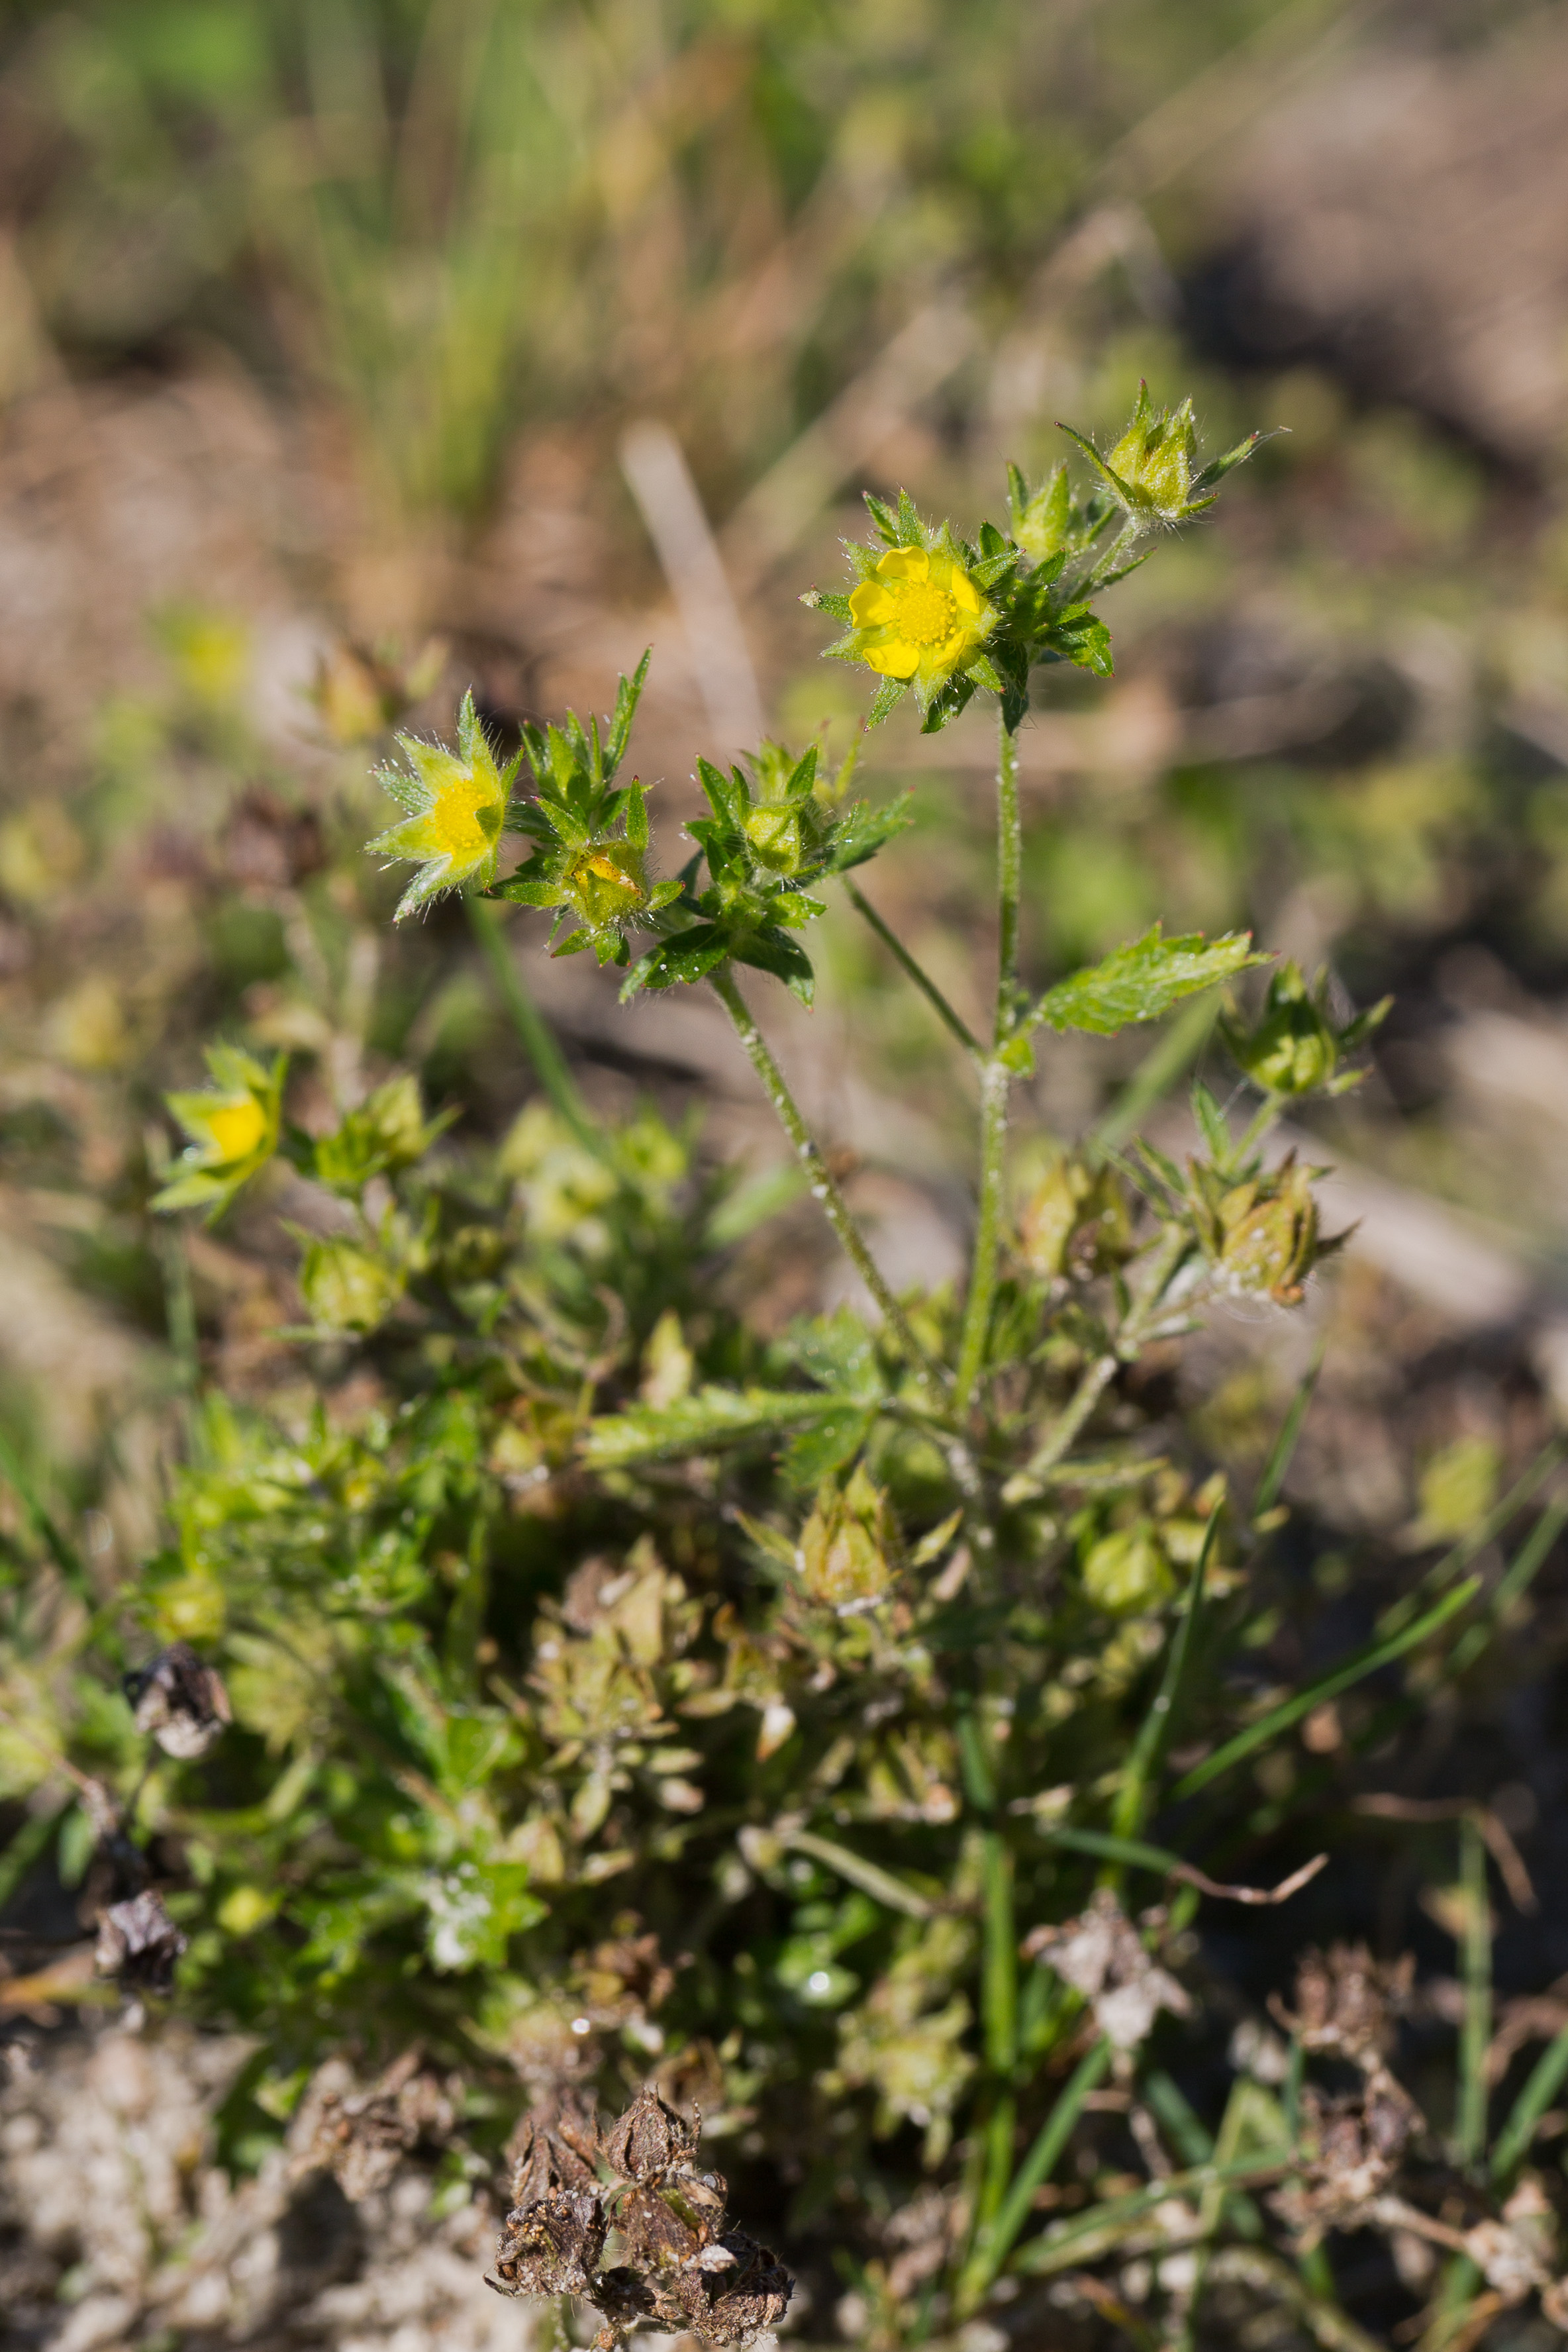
(904, 563)
(892, 659)
(870, 605)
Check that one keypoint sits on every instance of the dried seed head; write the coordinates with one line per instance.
(649, 2138)
(554, 2153)
(179, 1702)
(736, 2303)
(552, 2248)
(140, 1944)
(672, 2261)
(1354, 2147)
(1346, 2001)
(360, 2135)
(1102, 1955)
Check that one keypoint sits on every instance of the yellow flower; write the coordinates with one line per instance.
(232, 1127)
(456, 802)
(919, 617)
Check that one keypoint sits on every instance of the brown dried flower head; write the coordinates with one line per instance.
(1346, 2001)
(140, 1944)
(360, 2135)
(179, 1702)
(1102, 1955)
(623, 2218)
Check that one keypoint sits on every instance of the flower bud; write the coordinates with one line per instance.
(1263, 1235)
(1296, 1046)
(844, 1546)
(1076, 1221)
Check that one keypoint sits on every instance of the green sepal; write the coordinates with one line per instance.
(793, 907)
(887, 698)
(828, 600)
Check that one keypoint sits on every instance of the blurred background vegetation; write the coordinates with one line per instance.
(354, 349)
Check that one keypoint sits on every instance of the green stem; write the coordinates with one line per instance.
(823, 1189)
(1475, 2033)
(537, 1038)
(1009, 878)
(1097, 1376)
(996, 1078)
(950, 1020)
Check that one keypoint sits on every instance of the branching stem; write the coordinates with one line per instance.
(950, 1020)
(823, 1186)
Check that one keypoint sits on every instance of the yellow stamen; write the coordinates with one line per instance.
(237, 1129)
(454, 821)
(925, 615)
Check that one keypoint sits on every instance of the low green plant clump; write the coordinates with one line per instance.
(838, 1729)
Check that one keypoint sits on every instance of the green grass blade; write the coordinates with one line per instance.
(1545, 2081)
(1284, 1446)
(1476, 2032)
(1153, 1732)
(537, 1038)
(1364, 1661)
(1516, 1578)
(1070, 2241)
(997, 2243)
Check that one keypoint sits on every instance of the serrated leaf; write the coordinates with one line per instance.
(774, 951)
(833, 1442)
(1076, 635)
(712, 1418)
(688, 957)
(865, 831)
(1142, 980)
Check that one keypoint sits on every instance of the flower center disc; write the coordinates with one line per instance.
(926, 615)
(455, 822)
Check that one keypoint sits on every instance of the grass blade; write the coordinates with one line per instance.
(997, 2243)
(1155, 1727)
(1364, 1661)
(1545, 2081)
(1284, 1446)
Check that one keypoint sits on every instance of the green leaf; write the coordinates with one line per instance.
(828, 600)
(774, 951)
(1141, 980)
(864, 831)
(1076, 635)
(886, 699)
(473, 1910)
(832, 1444)
(700, 1424)
(689, 956)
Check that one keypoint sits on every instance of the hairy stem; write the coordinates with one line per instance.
(1097, 1376)
(534, 1033)
(996, 1078)
(951, 1021)
(824, 1188)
